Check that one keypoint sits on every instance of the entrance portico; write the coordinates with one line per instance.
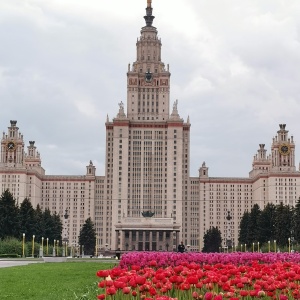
(147, 234)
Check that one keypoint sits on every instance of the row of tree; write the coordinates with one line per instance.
(16, 220)
(274, 222)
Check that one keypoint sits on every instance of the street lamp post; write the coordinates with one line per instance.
(289, 239)
(274, 245)
(245, 247)
(96, 248)
(257, 246)
(47, 247)
(65, 232)
(42, 246)
(292, 240)
(54, 254)
(252, 247)
(23, 245)
(57, 244)
(33, 245)
(66, 248)
(228, 236)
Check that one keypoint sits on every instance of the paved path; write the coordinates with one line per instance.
(15, 263)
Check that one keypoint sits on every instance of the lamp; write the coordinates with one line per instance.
(33, 245)
(23, 245)
(47, 246)
(42, 246)
(269, 243)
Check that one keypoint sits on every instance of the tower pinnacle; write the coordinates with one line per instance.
(149, 18)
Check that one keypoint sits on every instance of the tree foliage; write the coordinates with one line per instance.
(296, 222)
(266, 224)
(212, 240)
(253, 227)
(283, 224)
(27, 219)
(9, 216)
(243, 234)
(87, 237)
(15, 221)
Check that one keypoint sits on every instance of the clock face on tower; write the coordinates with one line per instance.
(11, 146)
(284, 149)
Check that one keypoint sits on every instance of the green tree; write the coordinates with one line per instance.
(27, 219)
(283, 224)
(9, 216)
(243, 234)
(266, 224)
(253, 228)
(39, 227)
(87, 237)
(212, 240)
(57, 226)
(296, 222)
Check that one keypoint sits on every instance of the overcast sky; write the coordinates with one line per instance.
(235, 69)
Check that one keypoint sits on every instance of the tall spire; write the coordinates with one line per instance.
(149, 18)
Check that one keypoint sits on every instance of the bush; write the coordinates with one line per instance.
(9, 255)
(12, 245)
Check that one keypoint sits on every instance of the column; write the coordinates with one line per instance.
(150, 240)
(122, 239)
(144, 240)
(130, 243)
(177, 238)
(116, 241)
(164, 240)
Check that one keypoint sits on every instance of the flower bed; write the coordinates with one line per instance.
(223, 276)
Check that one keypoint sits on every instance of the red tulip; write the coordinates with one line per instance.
(244, 293)
(111, 290)
(126, 290)
(140, 280)
(102, 273)
(208, 296)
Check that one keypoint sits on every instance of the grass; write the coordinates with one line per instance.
(48, 281)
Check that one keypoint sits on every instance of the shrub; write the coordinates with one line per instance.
(12, 245)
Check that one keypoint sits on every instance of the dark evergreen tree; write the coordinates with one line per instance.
(266, 224)
(9, 216)
(27, 219)
(253, 228)
(212, 240)
(87, 237)
(57, 226)
(48, 225)
(283, 224)
(243, 234)
(39, 227)
(296, 222)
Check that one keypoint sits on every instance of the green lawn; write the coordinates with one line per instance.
(51, 281)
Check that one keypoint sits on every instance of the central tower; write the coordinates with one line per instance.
(147, 156)
(148, 82)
